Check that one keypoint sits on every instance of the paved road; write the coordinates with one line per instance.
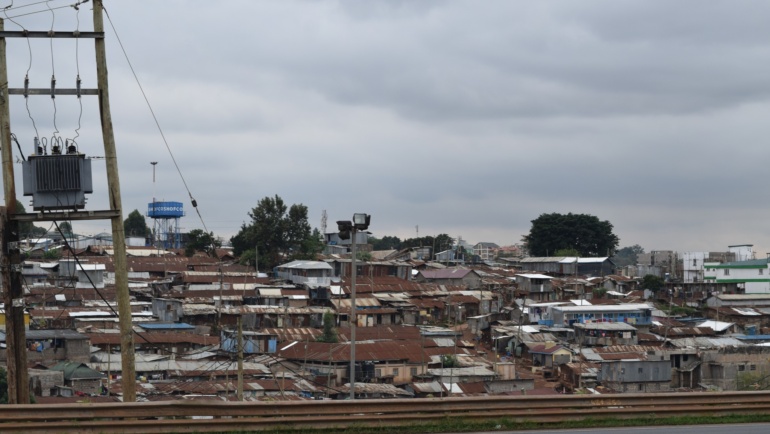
(743, 428)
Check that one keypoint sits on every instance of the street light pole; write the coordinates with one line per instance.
(353, 317)
(347, 230)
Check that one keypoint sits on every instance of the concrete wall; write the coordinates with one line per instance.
(722, 368)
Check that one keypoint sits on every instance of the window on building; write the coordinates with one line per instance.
(641, 387)
(641, 370)
(753, 367)
(727, 272)
(741, 367)
(413, 371)
(761, 271)
(395, 372)
(694, 262)
(378, 372)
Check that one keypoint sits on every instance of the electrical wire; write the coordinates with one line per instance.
(40, 11)
(13, 137)
(155, 118)
(11, 7)
(77, 65)
(53, 71)
(29, 66)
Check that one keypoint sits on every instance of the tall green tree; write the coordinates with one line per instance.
(135, 225)
(330, 333)
(438, 243)
(385, 243)
(280, 233)
(584, 233)
(652, 282)
(199, 240)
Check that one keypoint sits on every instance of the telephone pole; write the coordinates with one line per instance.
(240, 358)
(10, 262)
(118, 234)
(10, 259)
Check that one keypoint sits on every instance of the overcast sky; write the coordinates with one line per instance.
(469, 118)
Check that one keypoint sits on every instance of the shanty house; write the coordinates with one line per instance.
(451, 276)
(643, 373)
(310, 274)
(549, 355)
(80, 377)
(535, 286)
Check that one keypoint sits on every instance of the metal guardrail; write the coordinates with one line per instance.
(208, 416)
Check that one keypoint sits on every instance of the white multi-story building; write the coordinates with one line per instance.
(692, 266)
(693, 262)
(746, 277)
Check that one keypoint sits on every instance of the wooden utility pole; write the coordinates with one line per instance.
(240, 358)
(10, 258)
(118, 234)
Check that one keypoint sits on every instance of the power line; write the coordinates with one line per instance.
(155, 118)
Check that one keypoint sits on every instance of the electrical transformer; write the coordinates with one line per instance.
(58, 181)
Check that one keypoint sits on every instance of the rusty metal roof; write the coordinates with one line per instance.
(319, 352)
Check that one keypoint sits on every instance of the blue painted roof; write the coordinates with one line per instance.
(753, 337)
(167, 326)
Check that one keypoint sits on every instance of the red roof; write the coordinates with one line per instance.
(365, 351)
(154, 338)
(446, 273)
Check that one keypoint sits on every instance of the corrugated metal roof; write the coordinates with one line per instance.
(617, 326)
(706, 342)
(447, 273)
(319, 352)
(360, 303)
(306, 265)
(605, 308)
(55, 334)
(742, 297)
(434, 387)
(718, 326)
(167, 326)
(535, 276)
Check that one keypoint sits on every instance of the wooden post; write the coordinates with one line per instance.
(240, 358)
(10, 258)
(118, 236)
(354, 318)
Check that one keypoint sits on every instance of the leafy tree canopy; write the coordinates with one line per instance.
(330, 333)
(437, 244)
(628, 255)
(566, 252)
(280, 233)
(199, 240)
(584, 233)
(135, 225)
(652, 282)
(385, 243)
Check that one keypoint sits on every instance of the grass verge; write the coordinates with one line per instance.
(460, 425)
